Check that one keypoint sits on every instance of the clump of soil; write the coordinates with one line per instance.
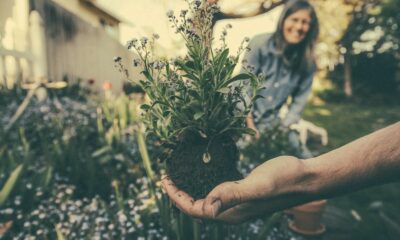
(190, 173)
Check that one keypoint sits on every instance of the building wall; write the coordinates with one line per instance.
(77, 50)
(88, 55)
(91, 17)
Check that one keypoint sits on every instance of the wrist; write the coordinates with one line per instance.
(290, 183)
(300, 180)
(290, 176)
(312, 178)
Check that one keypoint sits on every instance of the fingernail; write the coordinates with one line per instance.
(216, 206)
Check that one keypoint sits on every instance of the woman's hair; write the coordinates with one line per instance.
(302, 56)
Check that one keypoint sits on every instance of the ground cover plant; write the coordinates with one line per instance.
(72, 170)
(197, 107)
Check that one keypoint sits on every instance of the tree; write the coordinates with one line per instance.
(373, 29)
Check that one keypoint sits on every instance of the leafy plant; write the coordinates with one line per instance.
(196, 93)
(195, 99)
(9, 185)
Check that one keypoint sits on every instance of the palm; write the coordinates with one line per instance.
(237, 201)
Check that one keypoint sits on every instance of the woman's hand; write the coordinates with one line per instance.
(238, 201)
(250, 124)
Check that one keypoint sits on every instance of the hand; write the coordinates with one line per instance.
(238, 201)
(257, 135)
(250, 124)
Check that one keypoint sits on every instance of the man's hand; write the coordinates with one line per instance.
(198, 209)
(238, 201)
(284, 182)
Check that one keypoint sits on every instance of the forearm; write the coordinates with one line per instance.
(250, 121)
(370, 160)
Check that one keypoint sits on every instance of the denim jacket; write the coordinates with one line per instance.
(280, 83)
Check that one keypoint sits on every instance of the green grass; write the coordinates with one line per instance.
(346, 122)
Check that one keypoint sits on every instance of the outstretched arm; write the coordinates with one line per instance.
(284, 182)
(370, 160)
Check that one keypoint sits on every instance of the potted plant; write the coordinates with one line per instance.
(307, 218)
(197, 107)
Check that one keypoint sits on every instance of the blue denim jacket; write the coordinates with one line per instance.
(280, 83)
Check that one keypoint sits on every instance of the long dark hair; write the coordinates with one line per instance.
(302, 56)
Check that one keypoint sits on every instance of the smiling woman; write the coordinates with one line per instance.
(286, 58)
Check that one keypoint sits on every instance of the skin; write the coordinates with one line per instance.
(286, 181)
(296, 27)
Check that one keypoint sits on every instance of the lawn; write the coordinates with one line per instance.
(378, 207)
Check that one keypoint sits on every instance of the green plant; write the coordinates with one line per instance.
(196, 103)
(9, 185)
(273, 143)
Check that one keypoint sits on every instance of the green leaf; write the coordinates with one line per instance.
(9, 185)
(147, 75)
(198, 115)
(48, 176)
(105, 159)
(222, 58)
(194, 94)
(242, 76)
(250, 131)
(101, 151)
(167, 121)
(224, 90)
(257, 97)
(145, 107)
(60, 236)
(202, 134)
(160, 103)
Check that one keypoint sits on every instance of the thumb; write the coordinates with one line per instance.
(222, 197)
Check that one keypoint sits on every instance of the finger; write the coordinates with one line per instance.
(173, 192)
(222, 197)
(182, 200)
(190, 207)
(164, 176)
(241, 212)
(166, 183)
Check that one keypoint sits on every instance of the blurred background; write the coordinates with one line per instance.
(69, 141)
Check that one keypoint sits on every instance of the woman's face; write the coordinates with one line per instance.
(296, 26)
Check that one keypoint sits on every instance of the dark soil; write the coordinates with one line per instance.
(191, 174)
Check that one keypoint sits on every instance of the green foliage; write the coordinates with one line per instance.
(273, 143)
(9, 185)
(83, 177)
(50, 134)
(197, 94)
